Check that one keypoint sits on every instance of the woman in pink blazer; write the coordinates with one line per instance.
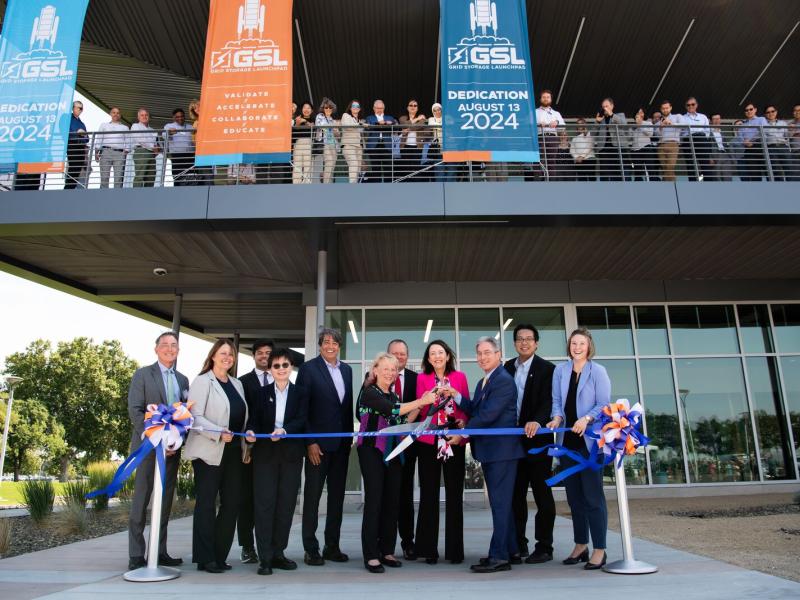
(440, 377)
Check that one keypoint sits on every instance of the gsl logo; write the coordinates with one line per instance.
(484, 55)
(247, 57)
(35, 69)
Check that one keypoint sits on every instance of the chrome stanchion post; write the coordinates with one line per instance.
(628, 565)
(694, 155)
(154, 572)
(767, 161)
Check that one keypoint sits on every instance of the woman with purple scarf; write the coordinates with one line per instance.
(378, 408)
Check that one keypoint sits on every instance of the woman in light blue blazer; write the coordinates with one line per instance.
(580, 390)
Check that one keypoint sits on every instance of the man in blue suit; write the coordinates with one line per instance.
(494, 405)
(329, 383)
(379, 143)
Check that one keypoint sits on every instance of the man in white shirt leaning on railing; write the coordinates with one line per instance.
(145, 149)
(111, 148)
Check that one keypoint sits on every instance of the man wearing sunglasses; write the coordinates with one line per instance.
(695, 145)
(751, 165)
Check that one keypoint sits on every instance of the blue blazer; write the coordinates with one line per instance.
(492, 407)
(325, 413)
(594, 392)
(379, 136)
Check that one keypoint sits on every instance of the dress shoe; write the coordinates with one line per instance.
(167, 561)
(456, 561)
(283, 563)
(211, 567)
(136, 562)
(334, 555)
(515, 559)
(391, 562)
(538, 557)
(494, 566)
(249, 556)
(574, 560)
(224, 566)
(409, 554)
(313, 559)
(483, 561)
(264, 569)
(374, 568)
(590, 566)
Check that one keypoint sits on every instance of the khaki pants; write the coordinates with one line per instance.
(144, 163)
(353, 155)
(303, 163)
(111, 157)
(325, 164)
(668, 157)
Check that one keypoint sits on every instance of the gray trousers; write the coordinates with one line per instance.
(144, 162)
(142, 491)
(110, 157)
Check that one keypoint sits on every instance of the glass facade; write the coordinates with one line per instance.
(720, 383)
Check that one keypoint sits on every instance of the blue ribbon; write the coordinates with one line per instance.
(581, 462)
(130, 464)
(347, 434)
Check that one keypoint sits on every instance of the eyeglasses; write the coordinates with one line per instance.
(410, 105)
(285, 365)
(327, 108)
(749, 109)
(526, 340)
(691, 104)
(769, 112)
(79, 107)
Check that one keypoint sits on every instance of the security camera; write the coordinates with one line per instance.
(159, 272)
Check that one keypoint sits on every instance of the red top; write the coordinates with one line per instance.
(425, 383)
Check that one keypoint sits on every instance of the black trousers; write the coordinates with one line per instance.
(751, 165)
(333, 469)
(277, 482)
(182, 163)
(584, 171)
(430, 474)
(405, 515)
(532, 472)
(411, 162)
(702, 153)
(645, 163)
(380, 165)
(212, 532)
(245, 521)
(76, 161)
(382, 484)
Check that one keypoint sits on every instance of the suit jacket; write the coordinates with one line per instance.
(494, 406)
(262, 420)
(325, 413)
(423, 133)
(252, 388)
(614, 142)
(410, 387)
(594, 392)
(147, 387)
(380, 136)
(537, 399)
(211, 410)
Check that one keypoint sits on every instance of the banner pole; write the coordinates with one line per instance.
(628, 565)
(154, 572)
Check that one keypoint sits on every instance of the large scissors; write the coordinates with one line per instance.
(413, 429)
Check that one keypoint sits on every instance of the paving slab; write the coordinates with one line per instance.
(93, 569)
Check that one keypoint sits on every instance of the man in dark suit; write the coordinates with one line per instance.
(405, 386)
(534, 380)
(158, 383)
(252, 382)
(379, 143)
(494, 405)
(329, 383)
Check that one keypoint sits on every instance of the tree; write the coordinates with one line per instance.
(33, 430)
(84, 386)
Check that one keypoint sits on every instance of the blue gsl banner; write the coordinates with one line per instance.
(39, 50)
(487, 85)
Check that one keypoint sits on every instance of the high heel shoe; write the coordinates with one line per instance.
(374, 568)
(574, 560)
(590, 566)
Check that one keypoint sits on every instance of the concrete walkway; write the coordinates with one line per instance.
(93, 569)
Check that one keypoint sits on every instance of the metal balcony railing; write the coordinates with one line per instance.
(407, 154)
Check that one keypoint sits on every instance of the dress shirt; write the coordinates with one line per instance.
(336, 375)
(117, 141)
(750, 129)
(670, 133)
(582, 146)
(181, 141)
(776, 133)
(75, 125)
(642, 135)
(436, 129)
(545, 116)
(794, 135)
(520, 377)
(146, 138)
(166, 374)
(280, 404)
(699, 123)
(719, 142)
(264, 377)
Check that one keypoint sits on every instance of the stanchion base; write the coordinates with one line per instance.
(629, 567)
(146, 574)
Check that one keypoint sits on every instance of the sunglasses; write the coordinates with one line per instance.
(749, 109)
(691, 104)
(284, 365)
(413, 104)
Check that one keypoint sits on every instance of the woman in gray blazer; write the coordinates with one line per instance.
(580, 390)
(219, 408)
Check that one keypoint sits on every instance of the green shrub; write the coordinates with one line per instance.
(76, 518)
(100, 475)
(185, 483)
(5, 536)
(125, 494)
(75, 492)
(38, 495)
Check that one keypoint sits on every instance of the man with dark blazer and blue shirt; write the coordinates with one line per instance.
(379, 143)
(494, 405)
(533, 377)
(329, 383)
(158, 383)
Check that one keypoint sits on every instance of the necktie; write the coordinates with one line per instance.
(263, 379)
(398, 388)
(170, 386)
(483, 383)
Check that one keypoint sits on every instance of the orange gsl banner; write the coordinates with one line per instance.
(246, 96)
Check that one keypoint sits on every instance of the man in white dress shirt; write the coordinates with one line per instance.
(180, 146)
(696, 142)
(111, 148)
(550, 123)
(145, 150)
(669, 140)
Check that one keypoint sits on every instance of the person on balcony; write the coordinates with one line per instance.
(145, 150)
(203, 175)
(76, 147)
(643, 152)
(412, 141)
(180, 147)
(550, 123)
(379, 143)
(751, 165)
(111, 149)
(352, 144)
(669, 140)
(302, 136)
(794, 145)
(777, 138)
(581, 149)
(326, 142)
(611, 142)
(723, 162)
(695, 142)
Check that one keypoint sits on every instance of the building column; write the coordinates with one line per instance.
(322, 286)
(236, 339)
(176, 315)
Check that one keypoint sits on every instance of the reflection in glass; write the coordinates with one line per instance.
(707, 329)
(773, 434)
(416, 326)
(651, 330)
(610, 327)
(353, 481)
(790, 367)
(348, 322)
(473, 372)
(787, 326)
(622, 374)
(716, 420)
(661, 416)
(549, 320)
(474, 323)
(754, 325)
